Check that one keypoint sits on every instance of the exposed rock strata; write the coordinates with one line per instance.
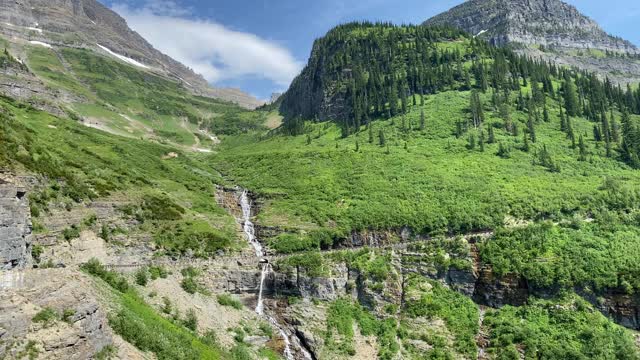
(15, 224)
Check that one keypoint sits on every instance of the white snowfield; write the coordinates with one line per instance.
(34, 42)
(124, 58)
(480, 33)
(32, 28)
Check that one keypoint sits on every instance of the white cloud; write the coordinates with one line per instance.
(209, 48)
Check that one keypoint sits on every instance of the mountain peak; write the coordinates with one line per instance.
(89, 24)
(551, 23)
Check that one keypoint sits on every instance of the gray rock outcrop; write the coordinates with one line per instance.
(568, 36)
(15, 226)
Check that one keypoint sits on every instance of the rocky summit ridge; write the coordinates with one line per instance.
(89, 24)
(550, 29)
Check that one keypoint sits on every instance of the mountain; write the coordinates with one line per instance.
(89, 24)
(549, 29)
(429, 196)
(411, 154)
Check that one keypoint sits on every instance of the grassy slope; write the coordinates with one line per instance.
(92, 164)
(138, 323)
(436, 184)
(136, 103)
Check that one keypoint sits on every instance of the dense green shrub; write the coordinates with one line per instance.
(228, 300)
(157, 272)
(161, 207)
(46, 317)
(565, 329)
(141, 277)
(117, 281)
(191, 320)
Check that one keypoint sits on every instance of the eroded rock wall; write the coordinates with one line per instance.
(15, 225)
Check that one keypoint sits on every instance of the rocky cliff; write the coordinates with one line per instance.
(87, 24)
(15, 224)
(567, 36)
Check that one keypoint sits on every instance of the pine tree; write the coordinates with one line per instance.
(571, 102)
(597, 135)
(531, 128)
(357, 146)
(563, 121)
(393, 98)
(492, 136)
(615, 130)
(525, 147)
(471, 142)
(477, 113)
(370, 134)
(308, 139)
(583, 149)
(422, 120)
(504, 151)
(381, 138)
(481, 141)
(546, 115)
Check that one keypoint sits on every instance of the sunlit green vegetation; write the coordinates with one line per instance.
(171, 197)
(135, 103)
(143, 327)
(567, 329)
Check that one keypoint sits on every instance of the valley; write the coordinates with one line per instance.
(417, 193)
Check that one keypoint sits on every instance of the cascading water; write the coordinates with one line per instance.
(249, 232)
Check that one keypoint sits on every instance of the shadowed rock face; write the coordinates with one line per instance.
(552, 23)
(86, 23)
(15, 227)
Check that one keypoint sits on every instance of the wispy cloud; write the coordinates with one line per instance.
(209, 48)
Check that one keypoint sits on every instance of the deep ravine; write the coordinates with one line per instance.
(292, 344)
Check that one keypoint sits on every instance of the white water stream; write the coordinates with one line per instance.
(249, 232)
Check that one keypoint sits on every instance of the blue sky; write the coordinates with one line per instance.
(259, 45)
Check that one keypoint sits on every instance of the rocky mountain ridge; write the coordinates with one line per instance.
(549, 29)
(531, 22)
(89, 24)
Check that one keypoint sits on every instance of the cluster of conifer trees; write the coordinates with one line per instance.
(364, 71)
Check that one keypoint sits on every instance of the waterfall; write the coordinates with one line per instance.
(249, 232)
(260, 306)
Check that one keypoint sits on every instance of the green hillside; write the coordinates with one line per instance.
(448, 136)
(130, 102)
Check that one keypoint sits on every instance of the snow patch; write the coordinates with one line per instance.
(32, 28)
(34, 42)
(204, 150)
(124, 58)
(480, 33)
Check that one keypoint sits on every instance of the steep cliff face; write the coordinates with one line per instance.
(15, 225)
(88, 24)
(569, 37)
(79, 329)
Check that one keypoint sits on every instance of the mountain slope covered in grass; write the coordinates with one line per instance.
(533, 164)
